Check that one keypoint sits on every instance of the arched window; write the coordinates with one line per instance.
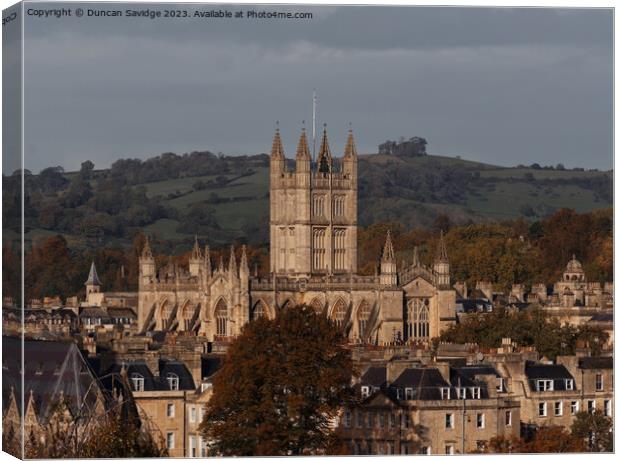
(317, 305)
(173, 381)
(221, 318)
(418, 326)
(166, 311)
(339, 314)
(186, 315)
(137, 382)
(259, 311)
(363, 314)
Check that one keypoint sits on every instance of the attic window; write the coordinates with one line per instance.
(445, 393)
(568, 384)
(475, 392)
(543, 385)
(409, 393)
(173, 381)
(365, 391)
(462, 393)
(137, 382)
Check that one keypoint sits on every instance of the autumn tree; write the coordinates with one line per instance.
(595, 430)
(279, 388)
(553, 439)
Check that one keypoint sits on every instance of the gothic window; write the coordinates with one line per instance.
(259, 311)
(318, 249)
(340, 313)
(363, 314)
(339, 249)
(339, 206)
(418, 326)
(166, 311)
(221, 318)
(318, 205)
(187, 316)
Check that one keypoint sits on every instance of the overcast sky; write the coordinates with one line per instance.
(503, 86)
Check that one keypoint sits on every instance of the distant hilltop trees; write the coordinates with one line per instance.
(412, 147)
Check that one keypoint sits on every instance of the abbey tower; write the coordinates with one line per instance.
(313, 211)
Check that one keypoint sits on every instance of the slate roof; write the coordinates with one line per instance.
(94, 312)
(186, 381)
(52, 368)
(596, 363)
(557, 373)
(375, 377)
(93, 279)
(426, 382)
(121, 312)
(209, 365)
(602, 317)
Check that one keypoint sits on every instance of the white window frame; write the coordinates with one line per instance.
(192, 447)
(192, 414)
(500, 385)
(409, 393)
(399, 393)
(542, 406)
(170, 440)
(475, 393)
(449, 449)
(173, 381)
(574, 407)
(480, 420)
(599, 385)
(607, 407)
(543, 385)
(449, 421)
(137, 382)
(569, 384)
(508, 418)
(591, 406)
(445, 393)
(170, 410)
(462, 393)
(556, 408)
(365, 391)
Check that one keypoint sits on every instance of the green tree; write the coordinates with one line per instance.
(595, 430)
(281, 384)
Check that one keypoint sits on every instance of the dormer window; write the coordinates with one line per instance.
(461, 392)
(475, 392)
(445, 393)
(173, 381)
(409, 393)
(137, 382)
(365, 391)
(399, 393)
(543, 385)
(568, 383)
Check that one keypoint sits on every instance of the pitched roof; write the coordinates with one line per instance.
(596, 363)
(93, 279)
(52, 369)
(166, 367)
(426, 382)
(375, 377)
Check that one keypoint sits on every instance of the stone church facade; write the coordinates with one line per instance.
(313, 260)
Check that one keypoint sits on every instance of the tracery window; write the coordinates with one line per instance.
(418, 324)
(259, 311)
(221, 318)
(340, 312)
(339, 249)
(318, 205)
(363, 314)
(318, 249)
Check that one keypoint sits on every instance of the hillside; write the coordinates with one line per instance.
(226, 198)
